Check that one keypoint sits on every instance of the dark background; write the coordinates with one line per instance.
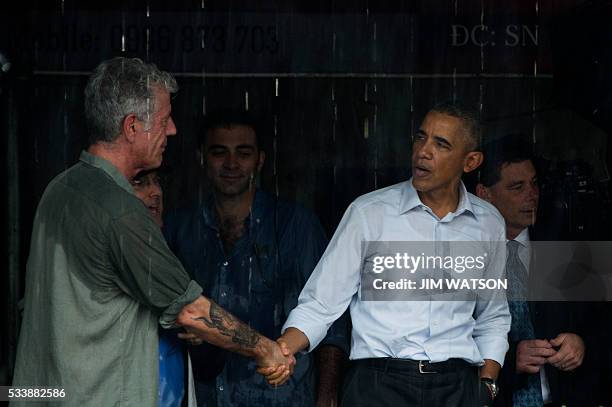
(340, 85)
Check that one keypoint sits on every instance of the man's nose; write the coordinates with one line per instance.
(534, 191)
(231, 160)
(424, 150)
(155, 191)
(170, 128)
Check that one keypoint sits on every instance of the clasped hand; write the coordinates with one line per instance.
(532, 354)
(276, 363)
(278, 374)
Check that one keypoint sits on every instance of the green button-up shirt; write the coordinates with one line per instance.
(99, 279)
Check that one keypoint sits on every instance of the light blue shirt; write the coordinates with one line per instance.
(419, 330)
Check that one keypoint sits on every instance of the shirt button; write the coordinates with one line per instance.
(225, 263)
(220, 388)
(223, 294)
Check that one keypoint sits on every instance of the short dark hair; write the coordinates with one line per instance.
(162, 172)
(510, 149)
(469, 118)
(225, 118)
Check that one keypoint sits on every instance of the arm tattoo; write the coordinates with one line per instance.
(229, 325)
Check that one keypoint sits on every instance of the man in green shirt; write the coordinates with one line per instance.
(100, 276)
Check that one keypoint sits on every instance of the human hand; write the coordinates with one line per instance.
(485, 397)
(278, 364)
(190, 337)
(531, 354)
(570, 353)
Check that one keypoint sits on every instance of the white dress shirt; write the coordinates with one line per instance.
(524, 253)
(418, 330)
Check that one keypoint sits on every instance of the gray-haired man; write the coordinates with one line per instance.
(100, 276)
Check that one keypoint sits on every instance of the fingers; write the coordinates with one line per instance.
(292, 363)
(566, 359)
(275, 375)
(539, 343)
(558, 341)
(284, 347)
(542, 352)
(532, 354)
(278, 373)
(193, 339)
(187, 335)
(281, 380)
(561, 357)
(530, 364)
(540, 347)
(278, 366)
(528, 349)
(571, 365)
(535, 360)
(265, 371)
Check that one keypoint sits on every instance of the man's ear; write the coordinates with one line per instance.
(128, 127)
(482, 192)
(260, 163)
(473, 159)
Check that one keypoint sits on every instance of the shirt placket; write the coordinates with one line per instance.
(436, 308)
(434, 312)
(230, 263)
(224, 294)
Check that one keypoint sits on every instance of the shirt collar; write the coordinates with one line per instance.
(523, 238)
(108, 168)
(410, 200)
(260, 202)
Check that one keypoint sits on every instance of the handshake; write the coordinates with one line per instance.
(204, 320)
(275, 360)
(277, 367)
(278, 370)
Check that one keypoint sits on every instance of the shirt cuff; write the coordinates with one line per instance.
(167, 319)
(493, 347)
(314, 333)
(338, 334)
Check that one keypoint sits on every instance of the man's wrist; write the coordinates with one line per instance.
(295, 339)
(263, 349)
(491, 386)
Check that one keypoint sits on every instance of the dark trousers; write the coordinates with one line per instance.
(398, 382)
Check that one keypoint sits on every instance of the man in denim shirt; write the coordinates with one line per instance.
(252, 253)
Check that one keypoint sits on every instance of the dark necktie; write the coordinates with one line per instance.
(522, 328)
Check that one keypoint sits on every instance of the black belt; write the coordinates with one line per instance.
(409, 365)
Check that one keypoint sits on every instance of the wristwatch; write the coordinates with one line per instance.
(491, 385)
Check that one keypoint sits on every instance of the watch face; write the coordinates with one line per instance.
(490, 383)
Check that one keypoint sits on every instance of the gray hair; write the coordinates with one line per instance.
(119, 87)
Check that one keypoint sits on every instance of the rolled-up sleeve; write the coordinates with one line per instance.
(334, 281)
(310, 251)
(492, 314)
(146, 268)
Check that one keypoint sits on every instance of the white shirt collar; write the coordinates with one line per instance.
(410, 200)
(523, 238)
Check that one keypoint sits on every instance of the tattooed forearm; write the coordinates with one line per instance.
(229, 325)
